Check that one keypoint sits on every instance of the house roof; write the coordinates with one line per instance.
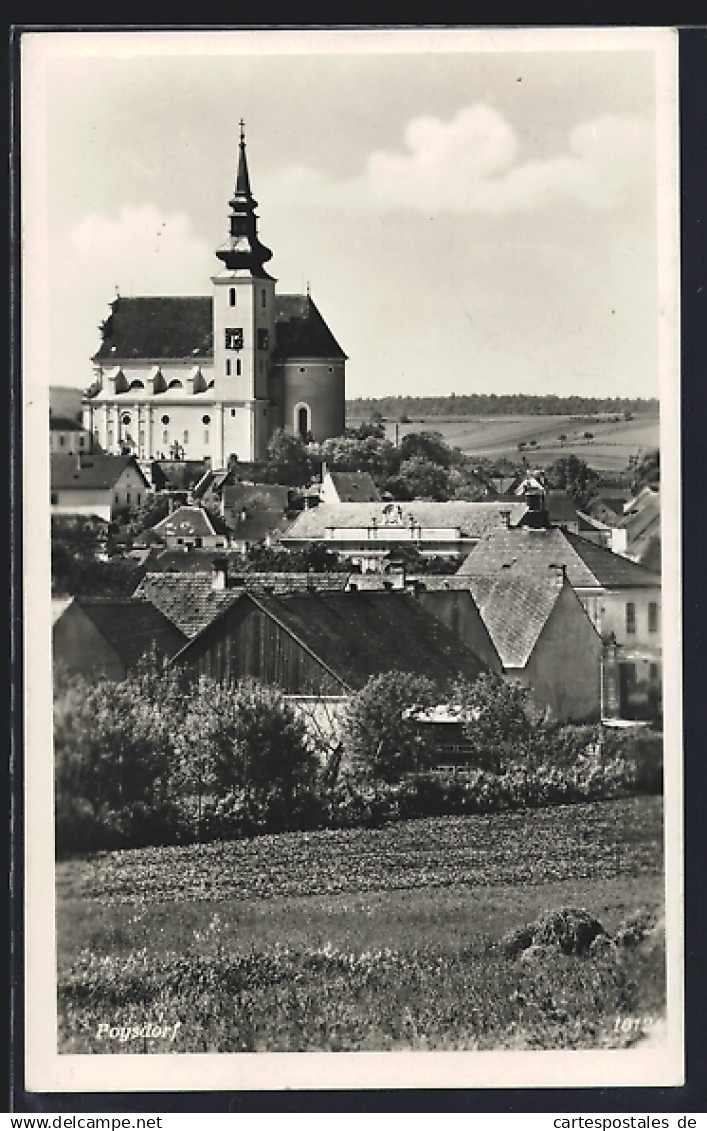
(259, 522)
(65, 424)
(189, 522)
(560, 507)
(535, 551)
(191, 603)
(132, 627)
(358, 635)
(515, 609)
(354, 486)
(267, 496)
(181, 327)
(98, 471)
(473, 520)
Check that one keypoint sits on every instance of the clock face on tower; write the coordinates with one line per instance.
(234, 339)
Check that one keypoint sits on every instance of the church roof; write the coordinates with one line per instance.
(157, 327)
(301, 332)
(175, 327)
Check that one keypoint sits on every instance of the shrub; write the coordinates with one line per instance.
(382, 736)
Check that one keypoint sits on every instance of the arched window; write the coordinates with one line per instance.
(303, 417)
(175, 384)
(136, 384)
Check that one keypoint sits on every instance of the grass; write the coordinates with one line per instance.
(373, 938)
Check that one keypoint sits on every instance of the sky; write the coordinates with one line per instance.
(474, 212)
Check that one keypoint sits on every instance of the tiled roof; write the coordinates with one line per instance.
(358, 635)
(157, 327)
(190, 602)
(133, 628)
(515, 609)
(165, 327)
(258, 523)
(267, 496)
(474, 520)
(98, 471)
(300, 330)
(190, 522)
(354, 487)
(528, 551)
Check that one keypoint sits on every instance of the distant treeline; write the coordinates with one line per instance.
(491, 404)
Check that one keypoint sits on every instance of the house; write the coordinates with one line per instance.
(317, 643)
(348, 487)
(68, 436)
(106, 639)
(187, 526)
(545, 640)
(604, 534)
(364, 534)
(642, 528)
(621, 597)
(97, 484)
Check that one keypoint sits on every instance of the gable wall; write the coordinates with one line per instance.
(564, 670)
(81, 649)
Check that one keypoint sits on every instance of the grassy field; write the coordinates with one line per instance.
(490, 438)
(368, 938)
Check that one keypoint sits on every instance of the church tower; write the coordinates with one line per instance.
(244, 326)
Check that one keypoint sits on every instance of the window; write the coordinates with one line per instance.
(127, 497)
(165, 437)
(232, 296)
(110, 436)
(81, 440)
(653, 671)
(116, 497)
(206, 419)
(137, 498)
(62, 439)
(55, 497)
(263, 299)
(125, 418)
(141, 437)
(186, 436)
(228, 367)
(165, 420)
(653, 616)
(206, 436)
(263, 339)
(238, 367)
(233, 412)
(630, 618)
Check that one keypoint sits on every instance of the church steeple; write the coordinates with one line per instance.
(243, 250)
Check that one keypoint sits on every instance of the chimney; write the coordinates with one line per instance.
(219, 574)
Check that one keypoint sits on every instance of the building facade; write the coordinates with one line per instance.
(209, 377)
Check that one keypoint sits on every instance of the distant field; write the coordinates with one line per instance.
(613, 441)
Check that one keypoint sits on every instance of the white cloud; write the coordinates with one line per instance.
(472, 164)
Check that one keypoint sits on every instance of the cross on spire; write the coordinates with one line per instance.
(242, 128)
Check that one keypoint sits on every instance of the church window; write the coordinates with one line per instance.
(141, 436)
(186, 436)
(165, 420)
(238, 367)
(206, 435)
(125, 418)
(233, 412)
(228, 367)
(165, 437)
(263, 298)
(232, 296)
(110, 435)
(302, 420)
(206, 419)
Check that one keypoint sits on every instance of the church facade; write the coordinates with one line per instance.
(209, 377)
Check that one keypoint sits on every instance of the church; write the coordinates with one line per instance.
(211, 377)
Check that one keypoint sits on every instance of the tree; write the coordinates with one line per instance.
(428, 446)
(419, 478)
(498, 720)
(572, 474)
(288, 460)
(382, 735)
(645, 471)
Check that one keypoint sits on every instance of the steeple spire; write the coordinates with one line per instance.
(243, 249)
